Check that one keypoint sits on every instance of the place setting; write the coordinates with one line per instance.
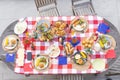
(11, 43)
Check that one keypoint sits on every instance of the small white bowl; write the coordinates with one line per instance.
(97, 47)
(20, 27)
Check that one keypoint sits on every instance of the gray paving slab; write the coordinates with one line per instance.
(4, 68)
(1, 76)
(17, 8)
(65, 7)
(118, 6)
(119, 24)
(105, 7)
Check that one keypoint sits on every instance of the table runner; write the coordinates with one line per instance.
(41, 47)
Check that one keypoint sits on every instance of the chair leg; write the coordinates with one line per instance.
(73, 11)
(27, 75)
(71, 77)
(96, 74)
(57, 11)
(92, 7)
(108, 79)
(0, 59)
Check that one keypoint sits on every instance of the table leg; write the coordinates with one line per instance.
(27, 75)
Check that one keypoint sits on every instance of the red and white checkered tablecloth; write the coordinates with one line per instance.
(41, 47)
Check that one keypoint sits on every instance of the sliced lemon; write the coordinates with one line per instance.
(6, 42)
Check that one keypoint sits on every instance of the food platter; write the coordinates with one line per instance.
(43, 29)
(46, 36)
(41, 62)
(113, 42)
(11, 43)
(42, 26)
(59, 27)
(82, 67)
(108, 42)
(69, 50)
(79, 24)
(105, 41)
(80, 58)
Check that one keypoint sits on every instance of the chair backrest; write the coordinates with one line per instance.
(83, 7)
(47, 7)
(71, 77)
(114, 69)
(81, 0)
(41, 3)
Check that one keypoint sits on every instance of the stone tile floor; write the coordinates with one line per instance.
(11, 10)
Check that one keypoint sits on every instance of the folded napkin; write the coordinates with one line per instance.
(103, 28)
(29, 55)
(110, 54)
(28, 67)
(62, 60)
(10, 57)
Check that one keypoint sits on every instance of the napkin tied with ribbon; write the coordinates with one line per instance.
(10, 57)
(110, 54)
(103, 28)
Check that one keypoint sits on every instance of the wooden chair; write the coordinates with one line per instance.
(71, 77)
(114, 69)
(114, 64)
(47, 7)
(83, 7)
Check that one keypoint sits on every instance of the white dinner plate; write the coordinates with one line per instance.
(45, 64)
(98, 64)
(53, 51)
